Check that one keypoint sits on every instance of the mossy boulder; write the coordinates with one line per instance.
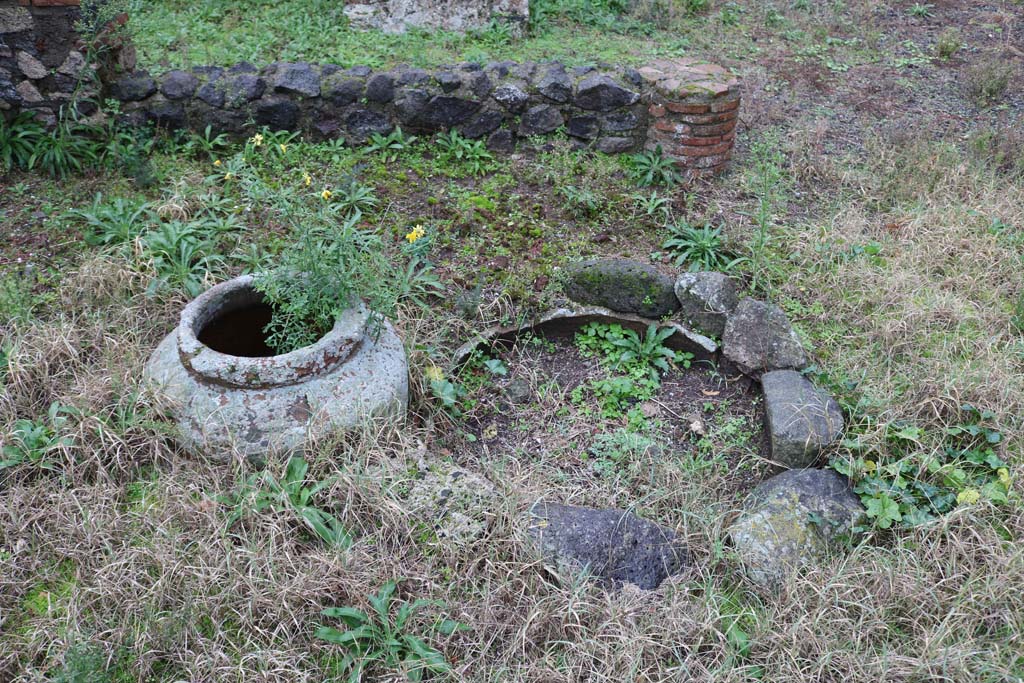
(621, 285)
(792, 520)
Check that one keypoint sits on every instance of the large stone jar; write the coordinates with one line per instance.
(231, 395)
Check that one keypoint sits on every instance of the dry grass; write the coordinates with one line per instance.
(125, 551)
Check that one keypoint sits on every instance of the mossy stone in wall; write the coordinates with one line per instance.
(621, 285)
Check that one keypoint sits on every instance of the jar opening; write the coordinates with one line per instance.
(240, 332)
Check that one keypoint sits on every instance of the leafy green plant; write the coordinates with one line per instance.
(616, 451)
(701, 247)
(948, 43)
(389, 146)
(653, 205)
(653, 168)
(915, 487)
(18, 140)
(34, 442)
(262, 492)
(113, 221)
(636, 362)
(581, 202)
(920, 10)
(382, 638)
(182, 256)
(354, 198)
(65, 150)
(205, 144)
(468, 156)
(321, 272)
(988, 79)
(768, 184)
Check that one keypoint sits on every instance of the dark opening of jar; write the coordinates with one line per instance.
(239, 332)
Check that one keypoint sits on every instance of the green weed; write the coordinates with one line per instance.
(262, 492)
(382, 638)
(702, 248)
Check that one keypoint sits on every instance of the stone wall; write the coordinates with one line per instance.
(43, 58)
(687, 108)
(38, 60)
(500, 101)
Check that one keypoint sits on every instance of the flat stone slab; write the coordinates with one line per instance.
(758, 338)
(456, 503)
(614, 545)
(791, 520)
(570, 319)
(706, 299)
(801, 419)
(621, 285)
(686, 77)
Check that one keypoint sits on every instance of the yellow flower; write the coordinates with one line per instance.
(434, 373)
(256, 140)
(417, 233)
(325, 195)
(870, 466)
(968, 497)
(1004, 476)
(229, 175)
(308, 179)
(284, 148)
(217, 162)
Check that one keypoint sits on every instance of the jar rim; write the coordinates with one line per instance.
(299, 365)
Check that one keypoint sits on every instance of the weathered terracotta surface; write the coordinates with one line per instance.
(226, 405)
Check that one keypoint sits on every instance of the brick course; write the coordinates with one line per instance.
(694, 108)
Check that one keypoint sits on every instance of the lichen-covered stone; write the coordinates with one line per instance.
(380, 88)
(30, 66)
(457, 504)
(584, 127)
(501, 140)
(791, 520)
(362, 123)
(615, 145)
(614, 545)
(555, 84)
(758, 338)
(341, 89)
(241, 89)
(801, 419)
(484, 123)
(706, 299)
(512, 97)
(14, 19)
(621, 285)
(395, 16)
(277, 112)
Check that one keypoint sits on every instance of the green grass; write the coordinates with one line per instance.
(174, 34)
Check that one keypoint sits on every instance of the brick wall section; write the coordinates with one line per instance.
(694, 107)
